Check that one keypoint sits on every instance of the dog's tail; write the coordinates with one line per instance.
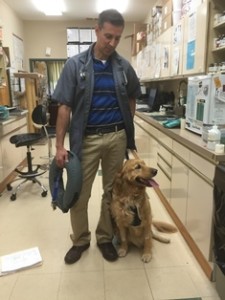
(164, 227)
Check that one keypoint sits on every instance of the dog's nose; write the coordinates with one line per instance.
(154, 172)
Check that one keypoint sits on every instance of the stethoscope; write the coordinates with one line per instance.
(83, 74)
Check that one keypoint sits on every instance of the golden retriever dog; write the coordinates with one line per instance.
(131, 210)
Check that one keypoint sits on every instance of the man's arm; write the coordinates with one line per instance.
(63, 119)
(132, 102)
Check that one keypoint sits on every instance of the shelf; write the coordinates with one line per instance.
(218, 49)
(28, 75)
(219, 25)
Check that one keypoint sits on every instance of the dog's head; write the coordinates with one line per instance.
(136, 172)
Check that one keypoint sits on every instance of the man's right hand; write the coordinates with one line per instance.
(61, 157)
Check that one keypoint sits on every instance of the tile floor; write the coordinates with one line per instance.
(173, 272)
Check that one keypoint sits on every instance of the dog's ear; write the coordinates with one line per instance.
(117, 184)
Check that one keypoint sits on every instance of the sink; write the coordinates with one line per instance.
(161, 118)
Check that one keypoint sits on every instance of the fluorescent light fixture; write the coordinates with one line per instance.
(50, 7)
(120, 5)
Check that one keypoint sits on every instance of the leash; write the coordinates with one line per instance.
(134, 153)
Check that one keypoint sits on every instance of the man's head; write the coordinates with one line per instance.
(111, 16)
(108, 31)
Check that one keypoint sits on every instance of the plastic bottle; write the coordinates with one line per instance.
(214, 136)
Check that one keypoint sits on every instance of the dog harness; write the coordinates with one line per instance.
(136, 220)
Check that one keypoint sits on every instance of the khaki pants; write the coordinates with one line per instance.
(108, 150)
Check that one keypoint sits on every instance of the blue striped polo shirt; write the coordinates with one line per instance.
(104, 107)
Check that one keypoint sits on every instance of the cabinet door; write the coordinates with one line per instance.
(179, 186)
(164, 165)
(11, 156)
(165, 58)
(1, 163)
(146, 146)
(195, 41)
(199, 212)
(177, 48)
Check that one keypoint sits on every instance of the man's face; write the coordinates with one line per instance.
(108, 37)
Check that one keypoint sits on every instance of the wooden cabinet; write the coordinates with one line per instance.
(179, 181)
(146, 143)
(10, 156)
(4, 90)
(176, 68)
(165, 57)
(186, 183)
(164, 164)
(199, 212)
(181, 50)
(216, 55)
(179, 189)
(195, 41)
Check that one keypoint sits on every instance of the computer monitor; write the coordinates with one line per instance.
(152, 99)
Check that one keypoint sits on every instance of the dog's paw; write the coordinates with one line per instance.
(146, 257)
(122, 252)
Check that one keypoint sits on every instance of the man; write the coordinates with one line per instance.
(96, 92)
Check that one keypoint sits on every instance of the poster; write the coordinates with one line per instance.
(190, 55)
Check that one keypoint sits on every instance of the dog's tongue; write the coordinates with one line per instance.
(152, 183)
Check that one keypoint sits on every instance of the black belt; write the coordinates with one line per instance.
(104, 129)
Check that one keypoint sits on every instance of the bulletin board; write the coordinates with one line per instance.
(18, 50)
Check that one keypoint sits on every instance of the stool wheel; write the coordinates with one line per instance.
(9, 187)
(13, 197)
(44, 194)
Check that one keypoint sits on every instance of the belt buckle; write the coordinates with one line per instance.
(99, 132)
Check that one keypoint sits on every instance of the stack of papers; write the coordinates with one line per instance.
(20, 260)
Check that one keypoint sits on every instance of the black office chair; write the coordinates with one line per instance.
(32, 171)
(40, 120)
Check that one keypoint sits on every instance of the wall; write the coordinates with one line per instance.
(39, 35)
(11, 25)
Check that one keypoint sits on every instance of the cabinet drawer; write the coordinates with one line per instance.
(151, 130)
(203, 166)
(165, 140)
(164, 166)
(165, 154)
(181, 151)
(10, 127)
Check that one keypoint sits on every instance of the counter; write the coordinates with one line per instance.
(187, 138)
(10, 156)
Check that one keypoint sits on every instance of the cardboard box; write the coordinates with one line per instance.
(190, 6)
(167, 8)
(167, 22)
(156, 10)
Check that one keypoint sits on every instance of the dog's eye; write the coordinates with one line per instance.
(137, 167)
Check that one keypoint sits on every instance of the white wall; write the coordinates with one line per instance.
(37, 36)
(11, 25)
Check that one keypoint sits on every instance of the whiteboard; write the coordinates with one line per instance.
(18, 51)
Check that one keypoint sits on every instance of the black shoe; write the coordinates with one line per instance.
(108, 251)
(74, 254)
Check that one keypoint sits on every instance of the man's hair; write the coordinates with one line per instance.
(110, 16)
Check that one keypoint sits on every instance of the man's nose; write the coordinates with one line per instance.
(113, 43)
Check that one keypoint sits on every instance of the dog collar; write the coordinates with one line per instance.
(136, 220)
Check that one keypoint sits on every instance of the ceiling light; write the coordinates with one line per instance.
(119, 5)
(50, 7)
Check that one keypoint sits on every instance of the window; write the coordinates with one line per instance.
(51, 69)
(79, 39)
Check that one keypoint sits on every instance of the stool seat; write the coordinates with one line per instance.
(26, 139)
